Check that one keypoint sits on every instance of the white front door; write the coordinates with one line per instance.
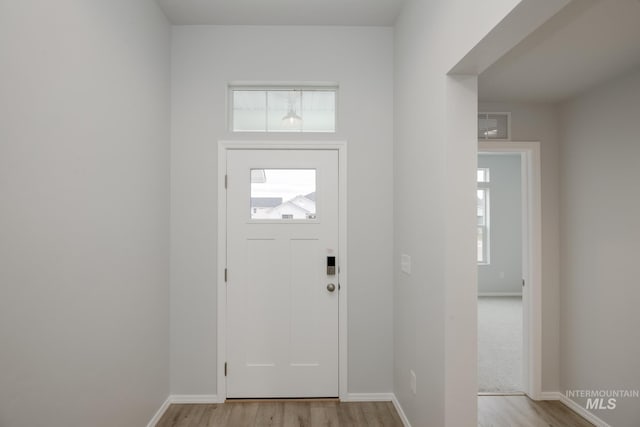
(282, 302)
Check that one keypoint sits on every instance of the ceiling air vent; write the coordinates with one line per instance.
(494, 126)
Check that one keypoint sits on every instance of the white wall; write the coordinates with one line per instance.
(600, 346)
(541, 122)
(503, 274)
(436, 143)
(84, 190)
(205, 60)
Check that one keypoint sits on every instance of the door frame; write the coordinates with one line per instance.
(221, 337)
(531, 257)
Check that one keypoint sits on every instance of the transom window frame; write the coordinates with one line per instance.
(277, 86)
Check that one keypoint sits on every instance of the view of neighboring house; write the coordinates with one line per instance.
(299, 207)
(261, 205)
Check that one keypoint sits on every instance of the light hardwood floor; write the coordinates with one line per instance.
(520, 411)
(493, 411)
(282, 414)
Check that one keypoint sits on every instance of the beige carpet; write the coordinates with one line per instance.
(499, 344)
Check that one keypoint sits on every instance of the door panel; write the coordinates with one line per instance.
(282, 321)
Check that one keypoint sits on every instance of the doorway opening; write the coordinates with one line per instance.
(508, 214)
(500, 333)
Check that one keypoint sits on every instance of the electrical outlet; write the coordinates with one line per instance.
(405, 264)
(412, 381)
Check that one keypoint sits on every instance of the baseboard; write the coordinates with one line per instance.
(194, 398)
(515, 393)
(575, 407)
(160, 412)
(369, 397)
(400, 411)
(499, 294)
(550, 395)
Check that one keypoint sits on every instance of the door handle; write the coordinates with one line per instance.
(331, 287)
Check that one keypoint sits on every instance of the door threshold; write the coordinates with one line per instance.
(512, 393)
(282, 399)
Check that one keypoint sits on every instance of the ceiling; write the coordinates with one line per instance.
(585, 44)
(282, 12)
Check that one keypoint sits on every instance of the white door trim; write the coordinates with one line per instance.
(532, 255)
(221, 338)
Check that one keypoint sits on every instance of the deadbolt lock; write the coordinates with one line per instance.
(331, 266)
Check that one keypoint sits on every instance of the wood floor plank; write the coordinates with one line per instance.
(197, 412)
(217, 415)
(297, 414)
(243, 414)
(371, 415)
(187, 415)
(350, 414)
(323, 414)
(508, 411)
(179, 416)
(393, 414)
(383, 414)
(559, 414)
(493, 411)
(270, 414)
(170, 417)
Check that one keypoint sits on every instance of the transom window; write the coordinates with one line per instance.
(483, 216)
(494, 125)
(283, 109)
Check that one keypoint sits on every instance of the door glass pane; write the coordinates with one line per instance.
(287, 194)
